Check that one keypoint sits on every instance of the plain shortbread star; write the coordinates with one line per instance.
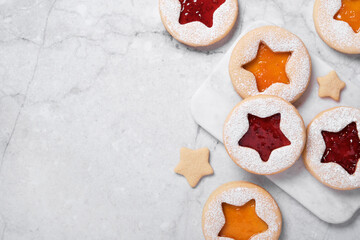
(330, 86)
(194, 164)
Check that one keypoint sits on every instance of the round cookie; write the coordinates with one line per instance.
(297, 68)
(196, 33)
(264, 134)
(239, 194)
(340, 127)
(337, 34)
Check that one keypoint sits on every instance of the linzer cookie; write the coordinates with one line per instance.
(239, 211)
(338, 24)
(264, 134)
(333, 148)
(271, 61)
(198, 22)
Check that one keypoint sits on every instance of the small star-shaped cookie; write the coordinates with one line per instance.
(194, 164)
(330, 86)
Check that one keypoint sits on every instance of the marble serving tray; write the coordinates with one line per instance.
(216, 97)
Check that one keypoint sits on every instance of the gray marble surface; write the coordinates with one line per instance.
(94, 107)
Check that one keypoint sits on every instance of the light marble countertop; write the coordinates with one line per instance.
(94, 107)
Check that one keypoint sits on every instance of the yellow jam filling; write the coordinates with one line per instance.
(268, 67)
(350, 13)
(241, 222)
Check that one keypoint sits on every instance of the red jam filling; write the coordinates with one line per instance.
(264, 135)
(342, 147)
(198, 10)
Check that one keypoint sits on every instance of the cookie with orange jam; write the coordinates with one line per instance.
(198, 22)
(264, 134)
(272, 61)
(332, 151)
(241, 211)
(338, 24)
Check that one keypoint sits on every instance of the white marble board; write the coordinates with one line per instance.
(216, 97)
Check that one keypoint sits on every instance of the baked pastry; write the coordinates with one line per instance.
(330, 86)
(194, 164)
(338, 24)
(272, 61)
(198, 22)
(333, 148)
(264, 134)
(241, 210)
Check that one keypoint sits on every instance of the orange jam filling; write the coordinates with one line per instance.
(241, 222)
(350, 13)
(268, 67)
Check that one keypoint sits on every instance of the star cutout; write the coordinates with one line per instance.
(264, 135)
(194, 164)
(268, 67)
(199, 10)
(241, 222)
(342, 147)
(330, 86)
(349, 12)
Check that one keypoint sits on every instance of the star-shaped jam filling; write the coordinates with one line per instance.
(350, 13)
(268, 67)
(199, 10)
(264, 135)
(241, 222)
(342, 147)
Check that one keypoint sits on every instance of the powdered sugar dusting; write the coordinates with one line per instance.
(196, 33)
(291, 125)
(337, 34)
(332, 174)
(298, 68)
(265, 208)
